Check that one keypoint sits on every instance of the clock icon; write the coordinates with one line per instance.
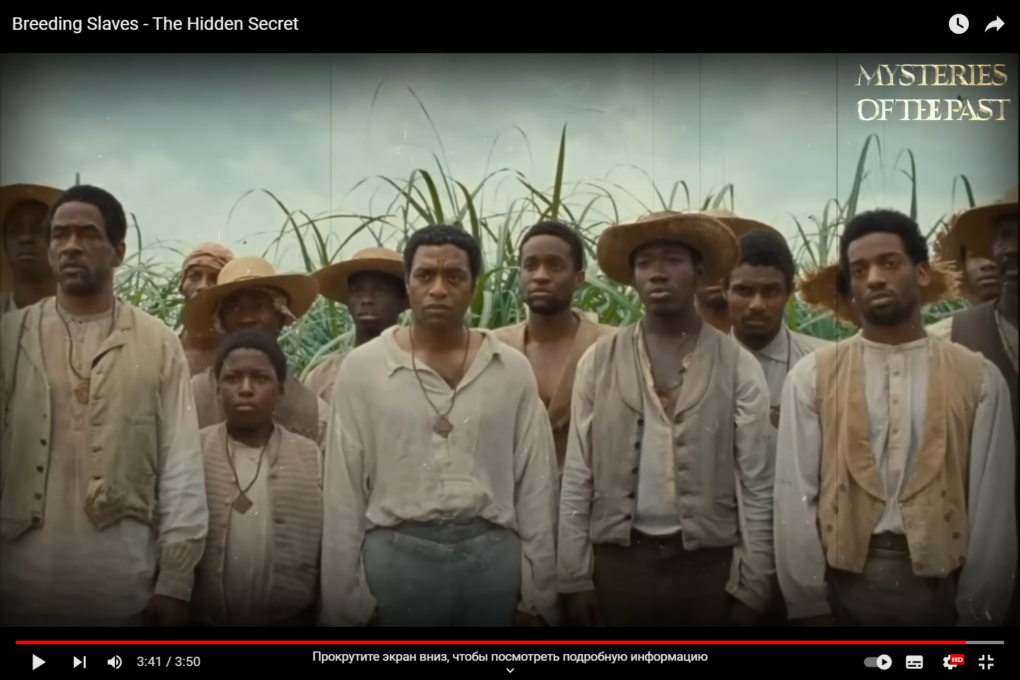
(958, 24)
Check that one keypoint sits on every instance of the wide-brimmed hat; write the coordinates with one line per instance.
(708, 235)
(974, 229)
(247, 272)
(947, 246)
(819, 290)
(333, 279)
(10, 196)
(740, 225)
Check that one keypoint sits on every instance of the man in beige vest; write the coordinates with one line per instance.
(990, 327)
(371, 286)
(102, 513)
(666, 505)
(200, 271)
(25, 273)
(251, 294)
(758, 291)
(263, 482)
(554, 336)
(895, 468)
(440, 487)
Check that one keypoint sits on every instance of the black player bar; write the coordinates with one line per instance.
(902, 27)
(660, 659)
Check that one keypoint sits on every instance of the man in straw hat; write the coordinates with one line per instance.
(894, 475)
(371, 286)
(666, 506)
(200, 271)
(103, 514)
(250, 293)
(712, 302)
(758, 291)
(440, 487)
(554, 336)
(990, 328)
(25, 273)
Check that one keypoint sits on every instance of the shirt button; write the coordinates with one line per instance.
(637, 445)
(630, 495)
(38, 496)
(40, 468)
(640, 421)
(678, 419)
(634, 471)
(628, 517)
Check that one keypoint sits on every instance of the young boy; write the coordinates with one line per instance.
(263, 482)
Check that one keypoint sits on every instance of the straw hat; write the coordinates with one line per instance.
(819, 290)
(706, 234)
(740, 225)
(333, 279)
(947, 246)
(974, 228)
(10, 196)
(247, 272)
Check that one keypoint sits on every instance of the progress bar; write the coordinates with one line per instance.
(984, 642)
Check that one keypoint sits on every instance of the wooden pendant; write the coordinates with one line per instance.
(242, 504)
(443, 427)
(82, 391)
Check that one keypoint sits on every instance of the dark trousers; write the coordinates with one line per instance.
(888, 593)
(657, 582)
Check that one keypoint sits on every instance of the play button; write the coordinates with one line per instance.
(884, 662)
(36, 662)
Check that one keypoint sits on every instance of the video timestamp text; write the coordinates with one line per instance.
(169, 662)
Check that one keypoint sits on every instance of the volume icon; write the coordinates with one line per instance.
(115, 662)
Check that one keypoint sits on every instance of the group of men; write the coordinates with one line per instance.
(705, 466)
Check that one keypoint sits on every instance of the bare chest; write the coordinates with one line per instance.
(451, 366)
(668, 367)
(548, 361)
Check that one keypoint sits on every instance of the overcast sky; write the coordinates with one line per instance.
(179, 139)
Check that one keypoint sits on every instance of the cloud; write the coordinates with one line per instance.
(181, 139)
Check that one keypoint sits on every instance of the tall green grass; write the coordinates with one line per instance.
(434, 195)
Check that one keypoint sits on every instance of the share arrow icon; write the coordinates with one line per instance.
(997, 24)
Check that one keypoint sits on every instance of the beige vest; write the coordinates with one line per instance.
(933, 501)
(706, 492)
(122, 427)
(296, 507)
(298, 411)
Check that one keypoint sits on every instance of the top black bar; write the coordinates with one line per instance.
(887, 28)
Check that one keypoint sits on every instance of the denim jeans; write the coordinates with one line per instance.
(447, 574)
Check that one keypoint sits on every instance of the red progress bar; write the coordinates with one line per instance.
(490, 642)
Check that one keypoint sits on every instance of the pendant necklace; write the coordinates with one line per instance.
(664, 392)
(242, 503)
(83, 390)
(443, 427)
(774, 411)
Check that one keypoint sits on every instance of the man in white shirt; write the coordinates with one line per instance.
(440, 478)
(895, 468)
